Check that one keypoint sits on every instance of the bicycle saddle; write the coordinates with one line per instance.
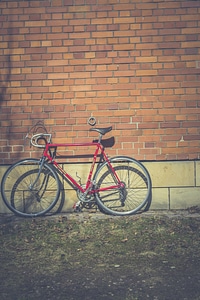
(102, 130)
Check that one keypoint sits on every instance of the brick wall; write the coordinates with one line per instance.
(134, 64)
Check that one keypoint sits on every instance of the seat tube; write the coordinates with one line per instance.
(92, 166)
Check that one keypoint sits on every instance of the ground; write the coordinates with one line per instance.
(154, 255)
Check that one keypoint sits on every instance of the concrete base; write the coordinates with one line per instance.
(175, 185)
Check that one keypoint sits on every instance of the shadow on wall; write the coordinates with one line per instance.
(6, 58)
(5, 78)
(5, 72)
(5, 68)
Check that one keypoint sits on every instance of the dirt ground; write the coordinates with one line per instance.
(155, 255)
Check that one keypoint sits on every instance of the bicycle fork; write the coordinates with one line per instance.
(42, 185)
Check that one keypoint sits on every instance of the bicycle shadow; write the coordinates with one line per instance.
(60, 203)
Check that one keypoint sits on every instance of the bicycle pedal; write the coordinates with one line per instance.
(77, 208)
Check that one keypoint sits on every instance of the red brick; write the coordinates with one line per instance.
(134, 64)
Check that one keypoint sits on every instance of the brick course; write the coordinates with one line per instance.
(131, 64)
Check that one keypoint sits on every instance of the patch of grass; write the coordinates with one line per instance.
(129, 258)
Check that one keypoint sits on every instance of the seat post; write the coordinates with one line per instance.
(100, 137)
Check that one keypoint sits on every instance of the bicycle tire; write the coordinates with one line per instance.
(15, 201)
(124, 201)
(18, 195)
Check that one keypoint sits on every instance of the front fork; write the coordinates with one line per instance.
(41, 164)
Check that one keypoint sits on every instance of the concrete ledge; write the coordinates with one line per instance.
(197, 173)
(160, 198)
(175, 184)
(171, 174)
(184, 197)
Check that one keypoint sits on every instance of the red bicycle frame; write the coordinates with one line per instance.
(99, 151)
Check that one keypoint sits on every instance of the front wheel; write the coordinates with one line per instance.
(134, 192)
(29, 190)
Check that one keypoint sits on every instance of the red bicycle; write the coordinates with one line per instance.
(118, 186)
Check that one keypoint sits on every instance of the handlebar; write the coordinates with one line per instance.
(45, 137)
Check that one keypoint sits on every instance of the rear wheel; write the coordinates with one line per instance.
(28, 193)
(134, 192)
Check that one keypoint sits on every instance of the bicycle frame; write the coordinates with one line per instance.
(99, 152)
(118, 185)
